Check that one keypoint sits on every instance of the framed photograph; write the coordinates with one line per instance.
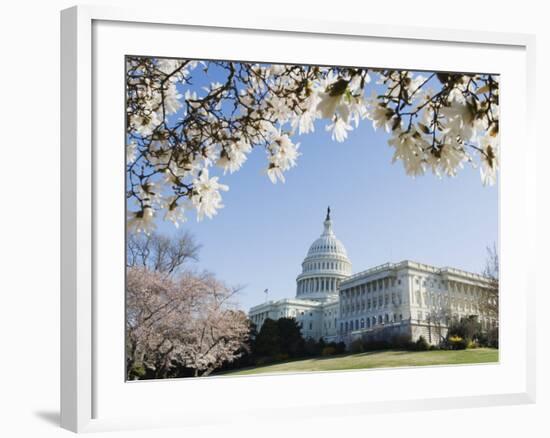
(305, 218)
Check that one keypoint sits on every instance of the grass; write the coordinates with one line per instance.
(376, 359)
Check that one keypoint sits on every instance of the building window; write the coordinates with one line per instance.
(362, 323)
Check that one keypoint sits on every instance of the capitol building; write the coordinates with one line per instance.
(406, 299)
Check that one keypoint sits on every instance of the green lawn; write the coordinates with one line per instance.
(377, 359)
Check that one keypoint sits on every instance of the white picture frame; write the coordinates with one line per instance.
(81, 368)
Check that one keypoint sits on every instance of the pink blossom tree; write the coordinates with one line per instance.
(187, 321)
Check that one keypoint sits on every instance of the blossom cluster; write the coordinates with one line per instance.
(178, 133)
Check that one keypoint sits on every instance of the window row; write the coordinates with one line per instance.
(365, 323)
(312, 266)
(371, 286)
(320, 284)
(349, 306)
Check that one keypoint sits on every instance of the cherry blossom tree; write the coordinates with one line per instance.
(177, 132)
(186, 320)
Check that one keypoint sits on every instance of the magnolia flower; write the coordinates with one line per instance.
(451, 158)
(275, 173)
(276, 69)
(459, 120)
(172, 98)
(144, 124)
(142, 221)
(191, 98)
(305, 122)
(448, 158)
(489, 159)
(233, 156)
(381, 115)
(174, 212)
(168, 66)
(409, 148)
(304, 119)
(279, 108)
(283, 152)
(329, 103)
(355, 84)
(206, 197)
(339, 129)
(414, 83)
(130, 152)
(150, 192)
(282, 155)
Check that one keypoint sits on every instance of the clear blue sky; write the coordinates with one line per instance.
(379, 213)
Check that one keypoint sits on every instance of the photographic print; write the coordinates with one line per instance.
(287, 218)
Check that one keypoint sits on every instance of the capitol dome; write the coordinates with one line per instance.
(325, 265)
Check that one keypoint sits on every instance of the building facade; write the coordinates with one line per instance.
(406, 299)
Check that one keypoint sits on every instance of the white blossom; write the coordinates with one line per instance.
(175, 213)
(141, 221)
(175, 135)
(206, 198)
(130, 152)
(339, 129)
(144, 124)
(381, 115)
(489, 159)
(233, 155)
(410, 149)
(459, 120)
(172, 98)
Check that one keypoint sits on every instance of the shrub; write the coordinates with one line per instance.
(311, 347)
(281, 357)
(457, 343)
(467, 328)
(264, 360)
(421, 344)
(357, 346)
(329, 350)
(340, 347)
(400, 341)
